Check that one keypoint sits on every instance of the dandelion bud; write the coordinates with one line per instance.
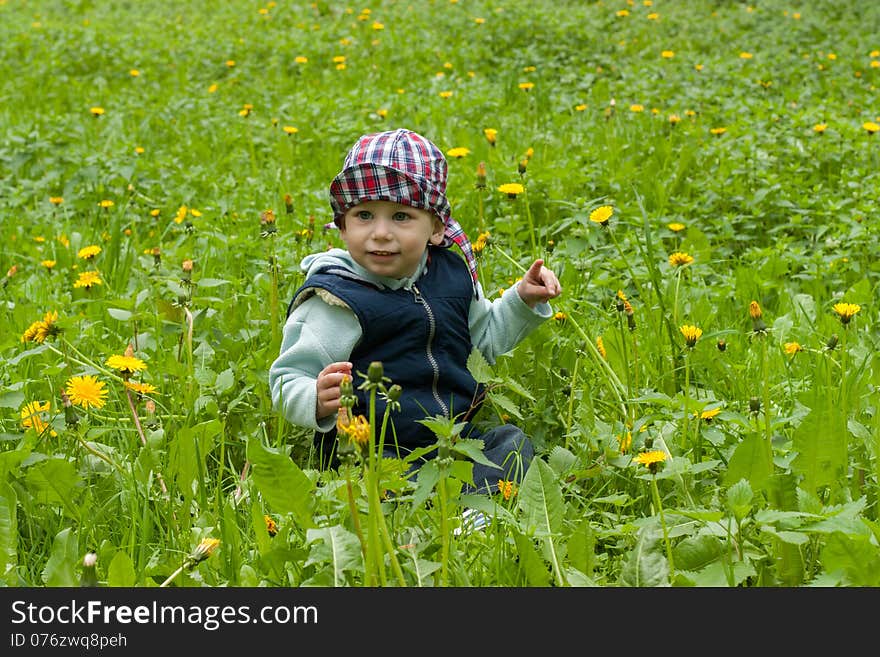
(523, 165)
(831, 345)
(157, 256)
(187, 266)
(481, 176)
(345, 387)
(722, 345)
(89, 577)
(754, 405)
(375, 372)
(288, 204)
(71, 419)
(630, 319)
(755, 310)
(394, 393)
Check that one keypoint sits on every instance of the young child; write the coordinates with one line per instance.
(400, 296)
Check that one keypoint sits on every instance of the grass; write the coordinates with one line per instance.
(218, 131)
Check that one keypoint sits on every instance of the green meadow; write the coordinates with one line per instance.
(702, 176)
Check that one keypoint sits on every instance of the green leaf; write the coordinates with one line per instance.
(479, 367)
(282, 484)
(821, 443)
(473, 449)
(540, 500)
(211, 282)
(533, 566)
(519, 389)
(506, 404)
(858, 558)
(121, 572)
(696, 552)
(8, 534)
(337, 547)
(581, 548)
(52, 481)
(60, 569)
(645, 566)
(749, 462)
(120, 314)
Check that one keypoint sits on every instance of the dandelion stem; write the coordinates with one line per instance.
(656, 493)
(573, 385)
(140, 430)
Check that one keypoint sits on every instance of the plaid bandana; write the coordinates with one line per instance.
(402, 167)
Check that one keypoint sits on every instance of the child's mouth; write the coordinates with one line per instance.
(382, 254)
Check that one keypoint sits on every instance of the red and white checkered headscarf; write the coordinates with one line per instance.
(402, 167)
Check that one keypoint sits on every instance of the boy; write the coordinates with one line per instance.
(398, 295)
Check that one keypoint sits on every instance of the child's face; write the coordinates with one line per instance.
(388, 239)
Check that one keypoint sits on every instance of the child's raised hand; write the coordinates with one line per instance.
(328, 388)
(538, 285)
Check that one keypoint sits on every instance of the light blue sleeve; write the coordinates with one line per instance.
(315, 335)
(498, 326)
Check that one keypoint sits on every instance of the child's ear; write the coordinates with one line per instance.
(439, 230)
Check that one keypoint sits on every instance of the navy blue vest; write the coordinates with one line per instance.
(421, 336)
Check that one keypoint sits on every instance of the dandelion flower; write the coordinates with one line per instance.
(88, 279)
(32, 417)
(507, 488)
(819, 128)
(511, 189)
(691, 334)
(445, 94)
(204, 549)
(86, 391)
(636, 108)
(357, 429)
(106, 204)
(88, 252)
(709, 414)
(667, 54)
(126, 364)
(755, 311)
(491, 135)
(676, 227)
(602, 215)
(526, 86)
(871, 127)
(600, 347)
(560, 316)
(290, 130)
(48, 264)
(96, 111)
(56, 200)
(746, 55)
(651, 459)
(458, 152)
(674, 119)
(141, 388)
(42, 329)
(718, 131)
(846, 311)
(680, 259)
(271, 527)
(791, 348)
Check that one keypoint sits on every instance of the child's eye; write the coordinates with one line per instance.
(400, 216)
(364, 215)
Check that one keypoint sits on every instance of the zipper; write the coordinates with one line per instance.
(432, 326)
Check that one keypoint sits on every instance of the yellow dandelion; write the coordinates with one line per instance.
(676, 227)
(141, 388)
(709, 415)
(88, 252)
(445, 94)
(48, 264)
(602, 215)
(56, 200)
(126, 364)
(846, 311)
(290, 130)
(650, 458)
(560, 316)
(88, 279)
(96, 111)
(625, 441)
(204, 549)
(820, 128)
(106, 204)
(42, 329)
(526, 86)
(791, 348)
(511, 189)
(636, 108)
(507, 488)
(357, 429)
(746, 55)
(667, 54)
(600, 347)
(674, 119)
(870, 127)
(458, 152)
(491, 135)
(580, 108)
(691, 334)
(271, 527)
(32, 417)
(623, 13)
(680, 259)
(755, 311)
(718, 131)
(86, 391)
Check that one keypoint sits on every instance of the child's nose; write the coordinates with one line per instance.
(381, 228)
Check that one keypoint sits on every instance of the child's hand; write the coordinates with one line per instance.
(538, 285)
(328, 388)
